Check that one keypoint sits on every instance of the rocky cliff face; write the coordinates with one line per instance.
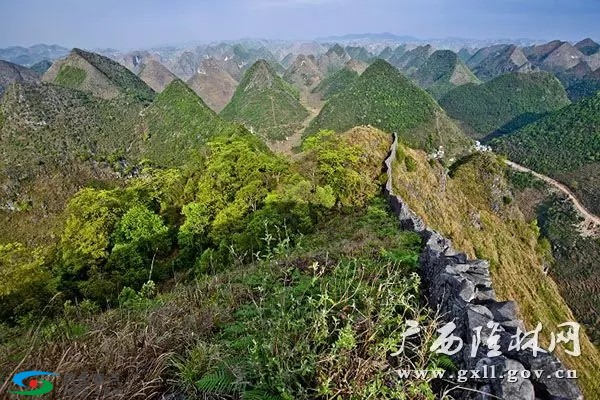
(156, 75)
(497, 60)
(213, 84)
(461, 289)
(304, 73)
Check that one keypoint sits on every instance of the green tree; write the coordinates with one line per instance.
(238, 174)
(337, 165)
(91, 218)
(25, 281)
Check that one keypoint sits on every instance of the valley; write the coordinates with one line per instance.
(591, 223)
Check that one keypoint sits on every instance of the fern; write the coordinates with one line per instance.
(258, 395)
(445, 362)
(219, 382)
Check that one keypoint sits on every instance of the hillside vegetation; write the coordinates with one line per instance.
(442, 72)
(177, 123)
(281, 280)
(472, 206)
(53, 141)
(564, 145)
(10, 73)
(505, 103)
(384, 98)
(266, 104)
(574, 262)
(98, 75)
(335, 83)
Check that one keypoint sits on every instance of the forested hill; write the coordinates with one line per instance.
(384, 98)
(564, 145)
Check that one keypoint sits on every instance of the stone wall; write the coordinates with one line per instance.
(461, 290)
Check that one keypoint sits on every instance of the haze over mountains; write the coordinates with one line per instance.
(120, 166)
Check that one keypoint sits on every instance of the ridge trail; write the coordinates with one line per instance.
(587, 226)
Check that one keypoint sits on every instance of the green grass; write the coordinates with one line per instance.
(70, 76)
(295, 324)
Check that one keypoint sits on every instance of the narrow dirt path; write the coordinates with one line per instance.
(591, 224)
(287, 146)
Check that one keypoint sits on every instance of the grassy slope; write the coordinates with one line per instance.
(564, 145)
(55, 140)
(384, 98)
(471, 209)
(124, 79)
(266, 103)
(505, 103)
(177, 123)
(240, 321)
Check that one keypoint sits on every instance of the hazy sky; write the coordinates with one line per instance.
(137, 23)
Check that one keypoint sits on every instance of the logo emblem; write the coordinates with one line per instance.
(37, 387)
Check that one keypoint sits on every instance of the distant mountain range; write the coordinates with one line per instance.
(189, 135)
(29, 56)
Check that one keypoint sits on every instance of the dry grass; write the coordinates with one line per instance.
(469, 208)
(138, 345)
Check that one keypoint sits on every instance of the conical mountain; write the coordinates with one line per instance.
(98, 75)
(384, 98)
(266, 104)
(177, 123)
(334, 60)
(156, 75)
(537, 53)
(359, 53)
(562, 58)
(213, 84)
(336, 83)
(442, 72)
(466, 53)
(397, 54)
(554, 56)
(580, 81)
(10, 73)
(491, 62)
(287, 61)
(185, 65)
(386, 53)
(41, 67)
(53, 141)
(588, 47)
(412, 59)
(505, 103)
(564, 145)
(303, 73)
